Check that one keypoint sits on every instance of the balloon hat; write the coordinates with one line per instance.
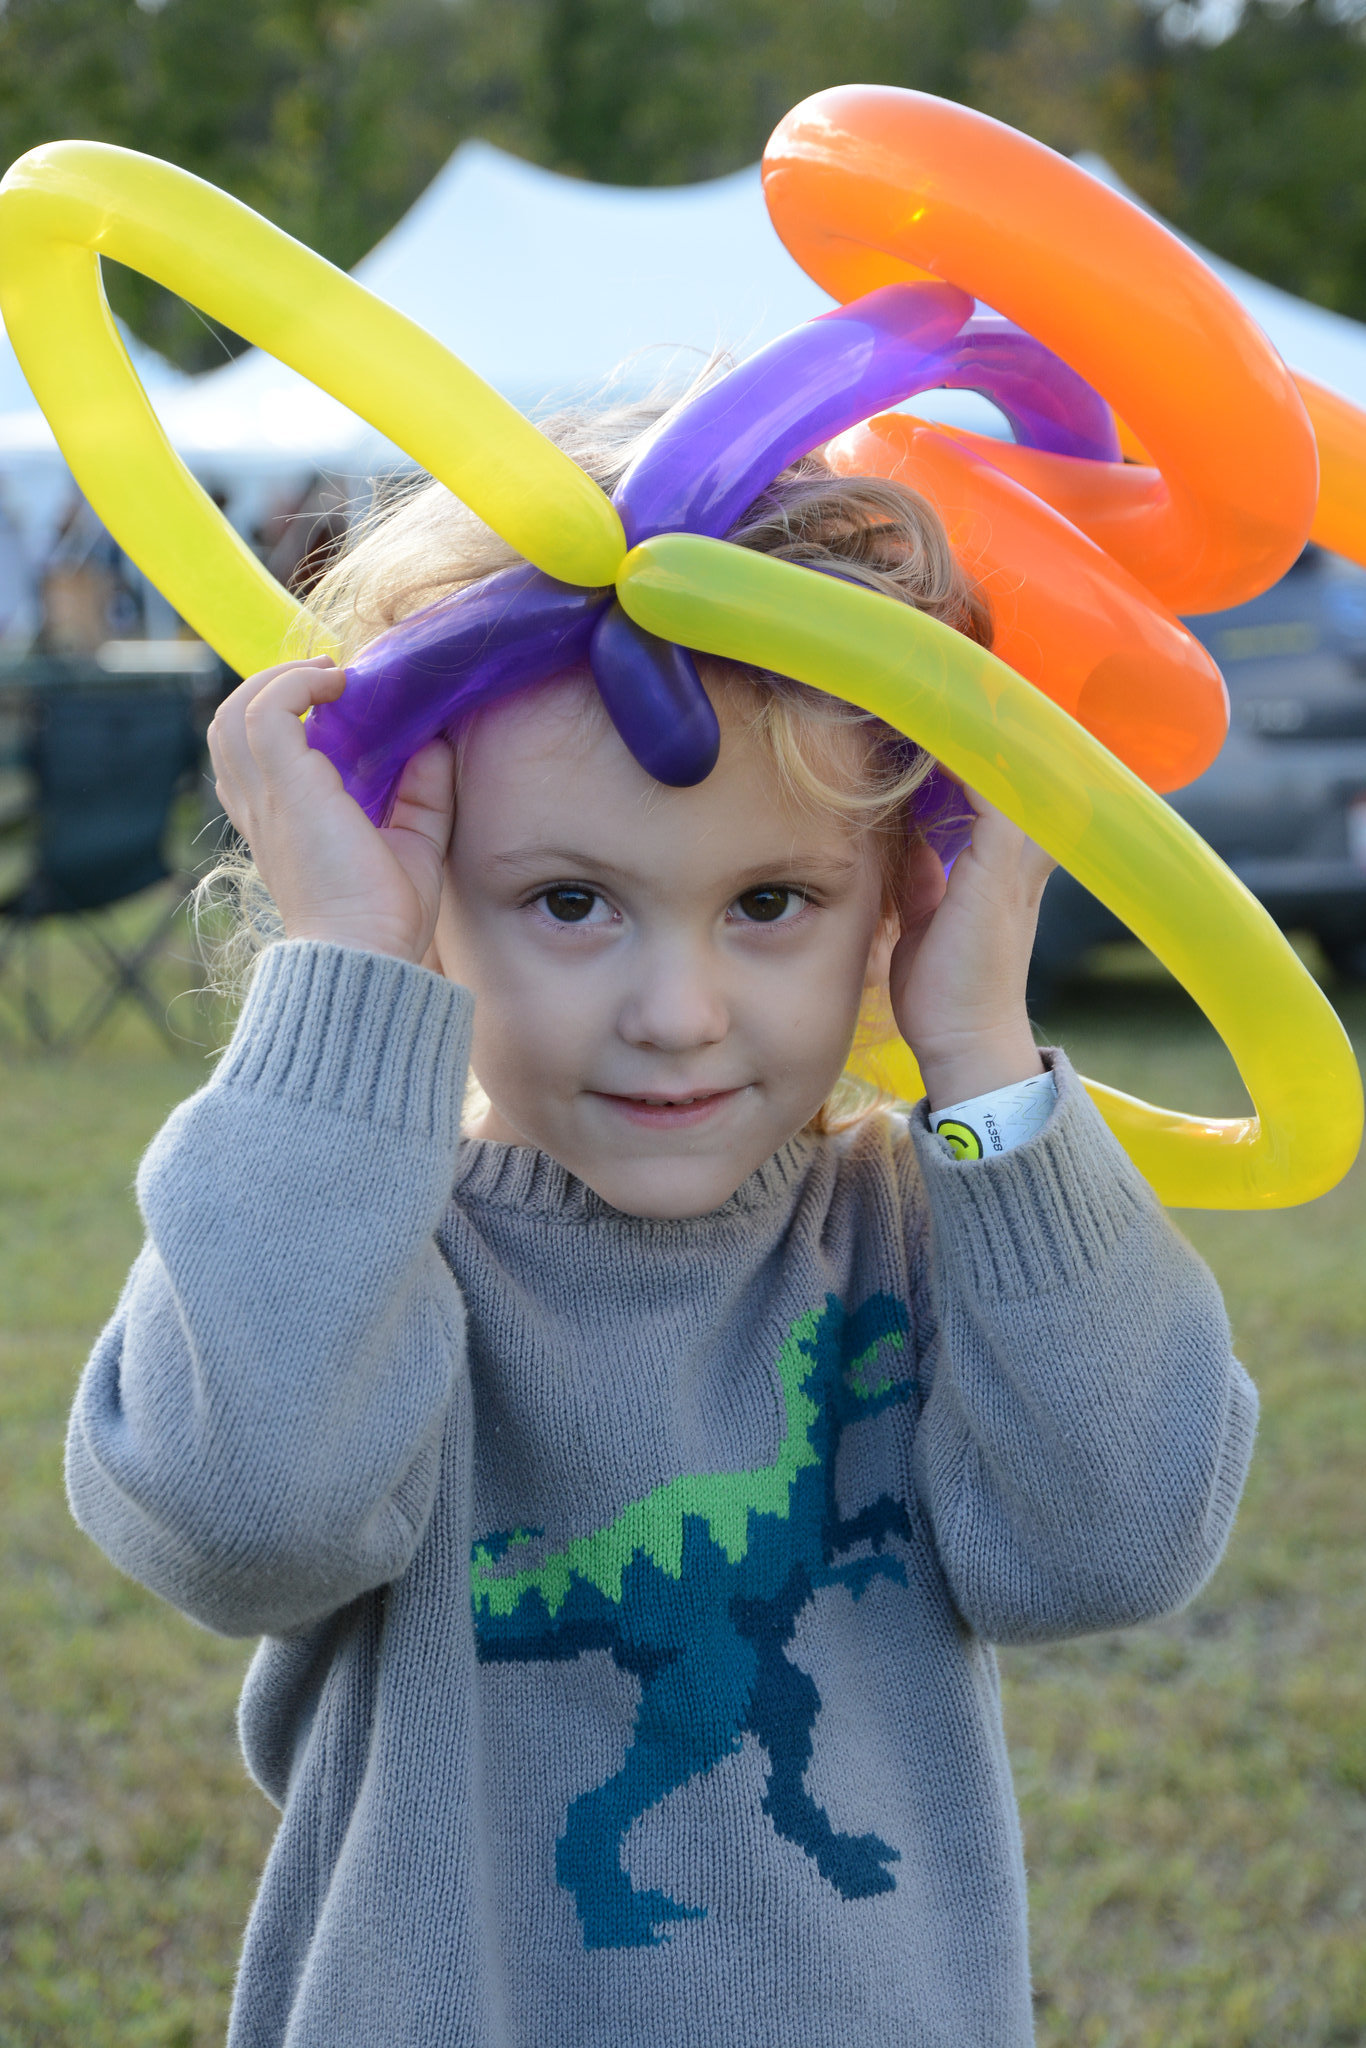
(699, 473)
(905, 208)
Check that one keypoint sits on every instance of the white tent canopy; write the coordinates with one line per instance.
(543, 284)
(539, 282)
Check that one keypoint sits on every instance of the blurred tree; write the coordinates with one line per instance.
(1253, 142)
(1070, 74)
(1258, 145)
(330, 116)
(652, 92)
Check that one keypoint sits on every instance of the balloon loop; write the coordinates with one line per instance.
(909, 209)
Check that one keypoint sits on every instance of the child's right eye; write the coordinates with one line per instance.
(568, 905)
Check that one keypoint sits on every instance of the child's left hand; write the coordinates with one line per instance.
(957, 977)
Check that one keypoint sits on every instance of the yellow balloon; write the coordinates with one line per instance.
(1005, 738)
(67, 204)
(63, 206)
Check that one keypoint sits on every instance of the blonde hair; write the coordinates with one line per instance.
(417, 543)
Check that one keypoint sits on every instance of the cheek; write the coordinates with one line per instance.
(478, 943)
(807, 1010)
(528, 1054)
(515, 1054)
(533, 1022)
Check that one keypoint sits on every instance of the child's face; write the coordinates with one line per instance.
(666, 981)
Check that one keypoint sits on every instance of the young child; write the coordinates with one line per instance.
(629, 1486)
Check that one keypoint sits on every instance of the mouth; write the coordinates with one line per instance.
(681, 1111)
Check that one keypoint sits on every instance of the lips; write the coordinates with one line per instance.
(676, 1101)
(660, 1111)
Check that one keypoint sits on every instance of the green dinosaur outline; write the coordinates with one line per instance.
(653, 1526)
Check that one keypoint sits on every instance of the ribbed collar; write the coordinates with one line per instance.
(519, 1177)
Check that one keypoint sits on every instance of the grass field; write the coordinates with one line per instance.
(1194, 1794)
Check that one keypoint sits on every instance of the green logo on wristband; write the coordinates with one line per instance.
(963, 1141)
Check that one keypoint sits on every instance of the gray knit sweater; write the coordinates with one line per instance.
(627, 1585)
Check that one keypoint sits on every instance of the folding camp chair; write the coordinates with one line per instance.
(106, 766)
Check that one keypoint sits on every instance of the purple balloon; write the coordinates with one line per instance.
(709, 462)
(706, 465)
(655, 699)
(1048, 405)
(943, 814)
(433, 671)
(699, 473)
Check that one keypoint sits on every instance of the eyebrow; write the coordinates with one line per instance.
(831, 868)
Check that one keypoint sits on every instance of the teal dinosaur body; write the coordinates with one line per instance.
(696, 1589)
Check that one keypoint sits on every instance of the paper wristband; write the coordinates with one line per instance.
(997, 1122)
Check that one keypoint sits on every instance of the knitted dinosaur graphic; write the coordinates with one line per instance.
(696, 1589)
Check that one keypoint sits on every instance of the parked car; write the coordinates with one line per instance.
(1285, 802)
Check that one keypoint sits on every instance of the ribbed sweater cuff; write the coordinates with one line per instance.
(357, 1033)
(1038, 1218)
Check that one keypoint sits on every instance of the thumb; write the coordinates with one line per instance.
(425, 803)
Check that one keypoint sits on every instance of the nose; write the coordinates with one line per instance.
(676, 1001)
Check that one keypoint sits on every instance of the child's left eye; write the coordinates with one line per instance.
(769, 904)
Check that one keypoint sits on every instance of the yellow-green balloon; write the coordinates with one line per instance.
(63, 206)
(1006, 740)
(67, 204)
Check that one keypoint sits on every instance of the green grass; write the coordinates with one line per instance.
(1194, 1793)
(130, 1838)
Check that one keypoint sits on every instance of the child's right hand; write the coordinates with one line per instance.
(332, 874)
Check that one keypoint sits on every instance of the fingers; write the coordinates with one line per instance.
(999, 843)
(923, 883)
(231, 710)
(271, 719)
(332, 875)
(256, 734)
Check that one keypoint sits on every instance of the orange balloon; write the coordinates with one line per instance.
(1340, 430)
(1086, 563)
(1066, 616)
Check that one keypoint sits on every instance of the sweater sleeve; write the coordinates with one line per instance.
(257, 1434)
(1088, 1430)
